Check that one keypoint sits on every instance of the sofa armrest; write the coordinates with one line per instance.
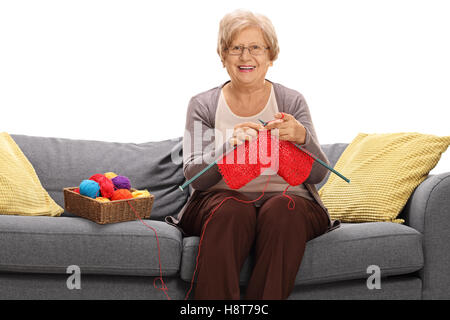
(428, 211)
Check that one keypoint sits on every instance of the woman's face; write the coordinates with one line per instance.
(246, 69)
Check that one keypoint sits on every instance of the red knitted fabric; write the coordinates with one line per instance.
(249, 160)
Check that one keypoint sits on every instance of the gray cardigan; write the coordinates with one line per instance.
(199, 152)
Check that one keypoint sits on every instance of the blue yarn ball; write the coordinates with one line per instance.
(90, 188)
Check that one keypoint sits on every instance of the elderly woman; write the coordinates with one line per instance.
(226, 116)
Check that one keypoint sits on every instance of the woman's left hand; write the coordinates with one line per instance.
(290, 129)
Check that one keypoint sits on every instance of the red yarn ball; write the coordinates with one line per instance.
(121, 194)
(106, 185)
(97, 177)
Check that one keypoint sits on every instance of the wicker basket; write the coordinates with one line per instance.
(107, 212)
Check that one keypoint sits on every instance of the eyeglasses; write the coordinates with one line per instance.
(255, 50)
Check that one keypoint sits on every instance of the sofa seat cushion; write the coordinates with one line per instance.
(342, 254)
(51, 244)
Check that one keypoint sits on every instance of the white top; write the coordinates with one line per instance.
(225, 122)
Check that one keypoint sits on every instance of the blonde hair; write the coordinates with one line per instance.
(234, 22)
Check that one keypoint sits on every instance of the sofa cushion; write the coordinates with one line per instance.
(384, 170)
(51, 244)
(342, 254)
(155, 166)
(21, 192)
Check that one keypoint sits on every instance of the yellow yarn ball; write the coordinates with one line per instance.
(110, 175)
(102, 199)
(140, 193)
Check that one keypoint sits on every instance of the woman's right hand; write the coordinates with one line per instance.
(244, 131)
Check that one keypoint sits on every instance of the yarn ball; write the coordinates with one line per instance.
(110, 175)
(121, 182)
(102, 199)
(140, 193)
(121, 194)
(96, 177)
(90, 188)
(76, 190)
(106, 185)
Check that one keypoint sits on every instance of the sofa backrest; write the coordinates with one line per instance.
(155, 166)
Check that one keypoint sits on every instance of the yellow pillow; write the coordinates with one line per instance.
(21, 192)
(384, 170)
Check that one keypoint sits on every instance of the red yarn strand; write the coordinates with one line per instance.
(295, 167)
(163, 285)
(206, 223)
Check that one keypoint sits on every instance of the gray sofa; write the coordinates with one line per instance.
(119, 261)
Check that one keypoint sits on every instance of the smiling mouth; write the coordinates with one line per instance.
(246, 68)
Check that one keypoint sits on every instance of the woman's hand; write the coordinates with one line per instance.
(245, 131)
(290, 129)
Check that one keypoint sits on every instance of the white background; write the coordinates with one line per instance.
(124, 71)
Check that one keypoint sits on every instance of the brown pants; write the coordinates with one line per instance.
(277, 235)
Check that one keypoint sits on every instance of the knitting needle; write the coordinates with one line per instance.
(201, 172)
(182, 187)
(314, 157)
